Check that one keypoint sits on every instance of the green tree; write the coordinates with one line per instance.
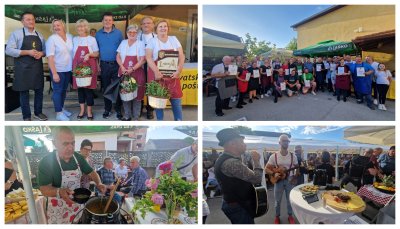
(243, 129)
(254, 47)
(292, 44)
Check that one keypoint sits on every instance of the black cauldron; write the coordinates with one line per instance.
(92, 213)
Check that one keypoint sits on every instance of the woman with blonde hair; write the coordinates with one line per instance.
(162, 43)
(59, 49)
(85, 53)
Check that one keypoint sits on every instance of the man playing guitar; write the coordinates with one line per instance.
(278, 162)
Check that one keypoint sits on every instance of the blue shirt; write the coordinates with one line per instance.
(137, 181)
(362, 84)
(309, 66)
(386, 163)
(108, 43)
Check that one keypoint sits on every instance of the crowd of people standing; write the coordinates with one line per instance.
(339, 75)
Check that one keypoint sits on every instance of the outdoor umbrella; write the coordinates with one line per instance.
(379, 135)
(328, 48)
(112, 91)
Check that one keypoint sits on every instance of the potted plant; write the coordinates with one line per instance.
(128, 88)
(158, 95)
(83, 75)
(171, 191)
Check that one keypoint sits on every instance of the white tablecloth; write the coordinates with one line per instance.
(154, 218)
(316, 212)
(40, 208)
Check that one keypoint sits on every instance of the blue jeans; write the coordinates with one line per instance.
(24, 101)
(279, 188)
(237, 214)
(60, 89)
(368, 97)
(176, 105)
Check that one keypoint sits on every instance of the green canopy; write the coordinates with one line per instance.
(328, 48)
(92, 13)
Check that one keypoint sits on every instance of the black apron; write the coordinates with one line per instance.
(28, 72)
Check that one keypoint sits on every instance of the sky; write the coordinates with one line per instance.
(332, 133)
(265, 22)
(164, 132)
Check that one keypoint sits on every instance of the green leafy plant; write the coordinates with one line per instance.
(172, 191)
(82, 71)
(155, 89)
(128, 84)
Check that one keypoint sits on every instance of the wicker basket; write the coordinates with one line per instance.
(83, 81)
(157, 103)
(128, 96)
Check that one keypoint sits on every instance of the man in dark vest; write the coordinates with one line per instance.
(26, 45)
(235, 178)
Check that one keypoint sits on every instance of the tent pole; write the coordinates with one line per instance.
(67, 17)
(26, 180)
(337, 164)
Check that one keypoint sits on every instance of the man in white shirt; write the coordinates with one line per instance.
(184, 159)
(219, 71)
(147, 33)
(374, 65)
(27, 46)
(286, 160)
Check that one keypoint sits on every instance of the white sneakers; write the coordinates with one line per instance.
(262, 96)
(382, 107)
(313, 93)
(375, 102)
(62, 117)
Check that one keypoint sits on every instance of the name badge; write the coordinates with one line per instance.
(232, 69)
(167, 62)
(256, 73)
(360, 72)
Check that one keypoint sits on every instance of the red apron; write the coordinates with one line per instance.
(266, 80)
(80, 53)
(173, 85)
(242, 86)
(343, 81)
(138, 75)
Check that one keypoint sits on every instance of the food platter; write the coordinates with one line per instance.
(309, 189)
(19, 195)
(344, 201)
(385, 189)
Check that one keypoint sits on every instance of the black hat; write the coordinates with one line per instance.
(226, 135)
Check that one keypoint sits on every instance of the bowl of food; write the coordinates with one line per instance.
(309, 189)
(81, 195)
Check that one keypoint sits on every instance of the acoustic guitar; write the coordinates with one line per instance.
(260, 200)
(282, 171)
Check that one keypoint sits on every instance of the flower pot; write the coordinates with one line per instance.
(157, 103)
(83, 81)
(128, 96)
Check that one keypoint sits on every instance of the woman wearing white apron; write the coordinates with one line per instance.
(59, 173)
(130, 58)
(161, 43)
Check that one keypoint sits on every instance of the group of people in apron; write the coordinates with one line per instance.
(135, 57)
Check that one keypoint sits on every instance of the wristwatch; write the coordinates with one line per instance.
(10, 182)
(58, 193)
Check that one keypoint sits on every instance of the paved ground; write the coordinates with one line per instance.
(322, 107)
(71, 104)
(218, 217)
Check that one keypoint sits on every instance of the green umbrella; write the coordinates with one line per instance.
(328, 48)
(92, 13)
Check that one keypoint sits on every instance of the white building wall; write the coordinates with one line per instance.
(110, 139)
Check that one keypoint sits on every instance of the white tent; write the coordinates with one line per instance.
(219, 42)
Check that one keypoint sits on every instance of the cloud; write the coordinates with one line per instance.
(287, 129)
(312, 130)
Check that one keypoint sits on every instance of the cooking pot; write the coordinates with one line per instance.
(93, 211)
